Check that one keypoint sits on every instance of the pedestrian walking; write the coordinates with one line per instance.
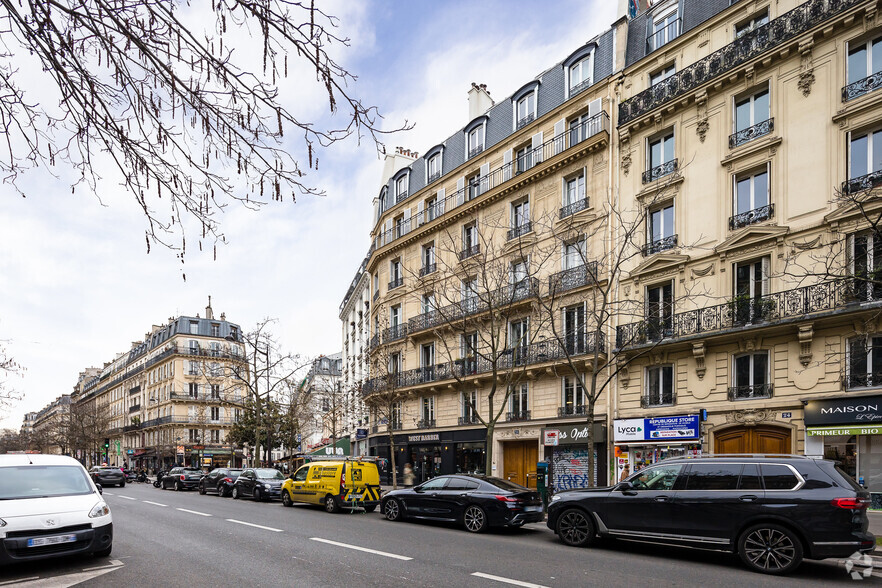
(408, 475)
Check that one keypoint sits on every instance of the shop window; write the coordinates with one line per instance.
(470, 458)
(659, 386)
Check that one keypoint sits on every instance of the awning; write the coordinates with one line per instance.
(872, 429)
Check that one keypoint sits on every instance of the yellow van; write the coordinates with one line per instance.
(336, 484)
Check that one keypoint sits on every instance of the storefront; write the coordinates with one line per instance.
(642, 442)
(434, 454)
(567, 454)
(849, 430)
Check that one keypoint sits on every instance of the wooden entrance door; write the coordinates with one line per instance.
(766, 439)
(519, 462)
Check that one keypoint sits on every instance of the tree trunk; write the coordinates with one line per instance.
(488, 461)
(591, 397)
(392, 459)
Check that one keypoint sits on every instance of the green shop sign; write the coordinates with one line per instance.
(865, 430)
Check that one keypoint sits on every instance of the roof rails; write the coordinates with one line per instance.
(741, 455)
(312, 457)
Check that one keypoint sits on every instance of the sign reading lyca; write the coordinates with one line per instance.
(659, 429)
(859, 410)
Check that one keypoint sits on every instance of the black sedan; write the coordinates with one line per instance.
(181, 479)
(259, 483)
(477, 502)
(108, 476)
(219, 480)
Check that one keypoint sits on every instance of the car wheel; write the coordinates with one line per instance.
(258, 495)
(201, 488)
(371, 508)
(178, 487)
(575, 528)
(104, 552)
(331, 504)
(236, 494)
(392, 510)
(122, 484)
(286, 498)
(770, 549)
(475, 519)
(221, 490)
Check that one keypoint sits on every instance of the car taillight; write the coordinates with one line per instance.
(228, 480)
(183, 477)
(510, 501)
(342, 479)
(851, 503)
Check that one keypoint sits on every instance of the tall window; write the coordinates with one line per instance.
(215, 330)
(469, 237)
(215, 413)
(519, 405)
(864, 59)
(574, 254)
(751, 376)
(473, 190)
(428, 258)
(661, 228)
(751, 284)
(401, 187)
(864, 362)
(574, 398)
(394, 363)
(755, 22)
(215, 391)
(520, 214)
(194, 435)
(194, 347)
(469, 404)
(865, 264)
(193, 368)
(752, 116)
(427, 361)
(524, 159)
(580, 75)
(665, 28)
(476, 140)
(659, 386)
(662, 74)
(526, 109)
(519, 340)
(865, 155)
(660, 311)
(427, 304)
(395, 419)
(428, 411)
(395, 278)
(215, 436)
(661, 153)
(518, 272)
(395, 316)
(574, 328)
(574, 190)
(469, 295)
(193, 390)
(431, 210)
(468, 352)
(751, 199)
(433, 167)
(194, 327)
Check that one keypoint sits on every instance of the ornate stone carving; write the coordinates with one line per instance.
(701, 104)
(807, 68)
(623, 374)
(806, 79)
(704, 271)
(805, 344)
(750, 417)
(626, 162)
(701, 128)
(698, 350)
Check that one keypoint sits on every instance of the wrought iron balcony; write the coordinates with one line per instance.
(573, 278)
(572, 410)
(471, 419)
(426, 424)
(469, 251)
(130, 428)
(474, 151)
(658, 399)
(134, 408)
(401, 196)
(156, 422)
(375, 341)
(513, 358)
(862, 380)
(771, 36)
(574, 207)
(520, 230)
(583, 85)
(861, 183)
(750, 217)
(526, 120)
(861, 87)
(662, 244)
(395, 332)
(663, 36)
(434, 176)
(518, 415)
(396, 282)
(660, 171)
(428, 269)
(751, 392)
(750, 133)
(839, 295)
(134, 390)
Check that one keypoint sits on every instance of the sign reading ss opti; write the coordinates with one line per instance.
(671, 428)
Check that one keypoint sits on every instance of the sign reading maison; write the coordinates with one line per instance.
(861, 410)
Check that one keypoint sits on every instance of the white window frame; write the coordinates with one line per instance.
(525, 100)
(520, 212)
(574, 253)
(665, 233)
(579, 180)
(521, 391)
(661, 394)
(586, 62)
(661, 75)
(658, 25)
(578, 392)
(427, 408)
(436, 156)
(468, 411)
(852, 137)
(474, 131)
(746, 26)
(869, 66)
(402, 184)
(750, 176)
(661, 139)
(752, 376)
(752, 99)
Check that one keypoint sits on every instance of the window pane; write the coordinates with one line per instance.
(668, 221)
(761, 107)
(876, 65)
(877, 152)
(778, 477)
(655, 154)
(705, 476)
(859, 157)
(760, 190)
(742, 115)
(742, 370)
(750, 478)
(857, 64)
(669, 148)
(655, 225)
(742, 196)
(760, 368)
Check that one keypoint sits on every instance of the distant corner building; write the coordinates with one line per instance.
(738, 143)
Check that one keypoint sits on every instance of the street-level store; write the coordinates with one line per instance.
(849, 430)
(566, 452)
(432, 454)
(643, 442)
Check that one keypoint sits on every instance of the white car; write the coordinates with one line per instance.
(50, 507)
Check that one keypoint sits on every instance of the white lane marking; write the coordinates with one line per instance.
(195, 512)
(253, 525)
(153, 503)
(508, 580)
(19, 580)
(127, 497)
(365, 549)
(108, 494)
(114, 563)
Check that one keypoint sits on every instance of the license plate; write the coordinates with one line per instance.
(40, 541)
(355, 497)
(532, 509)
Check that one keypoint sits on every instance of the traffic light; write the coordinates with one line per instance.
(106, 443)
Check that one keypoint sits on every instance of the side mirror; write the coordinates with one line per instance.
(100, 488)
(624, 486)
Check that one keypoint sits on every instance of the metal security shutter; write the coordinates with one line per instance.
(570, 468)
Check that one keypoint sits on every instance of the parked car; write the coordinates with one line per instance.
(108, 476)
(129, 474)
(476, 502)
(258, 483)
(50, 507)
(181, 479)
(772, 511)
(352, 483)
(219, 480)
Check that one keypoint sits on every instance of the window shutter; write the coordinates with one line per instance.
(420, 216)
(387, 235)
(765, 285)
(406, 225)
(594, 108)
(537, 147)
(559, 127)
(460, 191)
(440, 202)
(506, 163)
(485, 177)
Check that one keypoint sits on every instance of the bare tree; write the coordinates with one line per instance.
(88, 425)
(8, 368)
(171, 95)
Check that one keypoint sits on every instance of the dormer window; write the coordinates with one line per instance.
(433, 168)
(751, 24)
(580, 75)
(401, 185)
(475, 135)
(526, 110)
(665, 28)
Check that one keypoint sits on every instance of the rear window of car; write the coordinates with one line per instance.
(505, 484)
(778, 477)
(111, 470)
(43, 482)
(848, 479)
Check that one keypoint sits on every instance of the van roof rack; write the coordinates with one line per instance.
(309, 456)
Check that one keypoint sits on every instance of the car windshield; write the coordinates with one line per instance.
(191, 471)
(269, 474)
(506, 485)
(234, 472)
(32, 481)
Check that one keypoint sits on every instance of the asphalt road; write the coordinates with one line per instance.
(184, 539)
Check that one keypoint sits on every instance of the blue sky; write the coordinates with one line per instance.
(77, 286)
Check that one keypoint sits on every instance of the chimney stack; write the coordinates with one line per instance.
(209, 313)
(479, 100)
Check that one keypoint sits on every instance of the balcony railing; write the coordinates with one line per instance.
(507, 359)
(396, 283)
(426, 424)
(520, 230)
(134, 390)
(583, 85)
(660, 171)
(750, 217)
(401, 197)
(861, 87)
(663, 36)
(556, 145)
(395, 332)
(862, 380)
(662, 244)
(522, 122)
(741, 313)
(722, 62)
(572, 410)
(573, 278)
(750, 133)
(428, 269)
(658, 399)
(574, 207)
(750, 392)
(469, 252)
(475, 151)
(861, 183)
(517, 415)
(134, 408)
(132, 427)
(434, 176)
(471, 419)
(375, 341)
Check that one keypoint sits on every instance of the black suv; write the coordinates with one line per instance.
(772, 511)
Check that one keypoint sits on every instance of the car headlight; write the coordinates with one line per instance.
(2, 523)
(268, 486)
(553, 498)
(99, 510)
